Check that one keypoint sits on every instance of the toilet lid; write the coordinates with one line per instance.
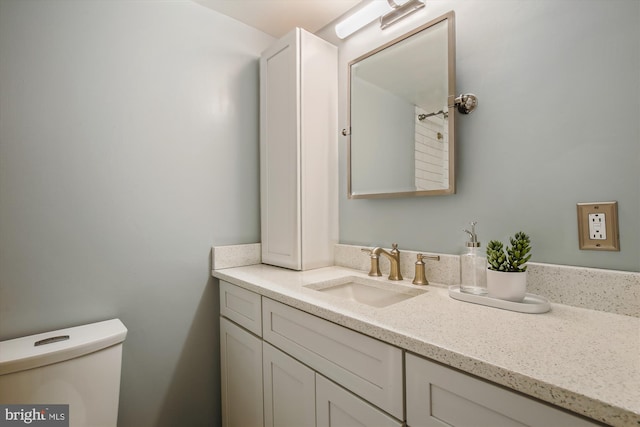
(33, 351)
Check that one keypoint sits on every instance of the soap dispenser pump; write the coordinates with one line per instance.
(473, 275)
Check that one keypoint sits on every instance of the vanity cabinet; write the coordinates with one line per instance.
(304, 371)
(284, 367)
(298, 151)
(438, 396)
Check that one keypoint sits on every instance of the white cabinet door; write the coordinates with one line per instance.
(241, 376)
(280, 154)
(289, 390)
(336, 407)
(438, 396)
(298, 151)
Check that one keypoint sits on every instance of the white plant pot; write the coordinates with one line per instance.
(510, 286)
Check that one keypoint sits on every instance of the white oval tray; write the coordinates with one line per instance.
(532, 304)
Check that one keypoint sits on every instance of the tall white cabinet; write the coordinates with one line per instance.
(298, 151)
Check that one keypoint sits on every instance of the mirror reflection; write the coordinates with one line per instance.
(402, 139)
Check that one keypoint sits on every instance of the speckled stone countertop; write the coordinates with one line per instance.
(583, 360)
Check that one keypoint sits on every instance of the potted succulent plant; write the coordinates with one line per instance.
(507, 271)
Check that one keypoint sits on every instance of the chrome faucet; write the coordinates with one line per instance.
(394, 261)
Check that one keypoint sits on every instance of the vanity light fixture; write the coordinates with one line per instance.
(389, 11)
(399, 11)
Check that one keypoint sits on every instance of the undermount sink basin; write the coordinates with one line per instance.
(366, 291)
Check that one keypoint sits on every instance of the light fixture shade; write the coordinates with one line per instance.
(400, 12)
(362, 17)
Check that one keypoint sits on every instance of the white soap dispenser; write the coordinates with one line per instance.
(473, 266)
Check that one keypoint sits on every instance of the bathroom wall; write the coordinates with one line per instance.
(128, 146)
(558, 83)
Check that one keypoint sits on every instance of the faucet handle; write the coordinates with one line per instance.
(432, 257)
(374, 270)
(420, 277)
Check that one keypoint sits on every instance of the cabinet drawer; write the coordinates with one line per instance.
(241, 306)
(366, 366)
(438, 396)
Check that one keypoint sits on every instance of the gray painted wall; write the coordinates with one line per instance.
(128, 146)
(558, 123)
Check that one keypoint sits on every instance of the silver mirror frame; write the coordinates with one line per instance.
(451, 103)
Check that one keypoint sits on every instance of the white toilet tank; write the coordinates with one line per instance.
(79, 367)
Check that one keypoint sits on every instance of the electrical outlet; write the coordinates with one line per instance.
(598, 226)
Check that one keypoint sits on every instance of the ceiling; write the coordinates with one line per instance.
(277, 17)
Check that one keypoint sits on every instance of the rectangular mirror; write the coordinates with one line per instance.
(401, 115)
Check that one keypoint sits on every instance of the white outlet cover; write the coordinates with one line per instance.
(597, 226)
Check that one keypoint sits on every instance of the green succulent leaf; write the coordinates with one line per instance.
(512, 258)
